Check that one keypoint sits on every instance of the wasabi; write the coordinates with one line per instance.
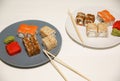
(115, 32)
(9, 39)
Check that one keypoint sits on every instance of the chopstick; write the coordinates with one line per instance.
(66, 65)
(75, 26)
(54, 65)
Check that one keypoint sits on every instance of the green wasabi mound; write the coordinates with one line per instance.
(115, 32)
(9, 39)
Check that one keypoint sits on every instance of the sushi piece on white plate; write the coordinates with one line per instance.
(80, 18)
(91, 30)
(106, 17)
(89, 18)
(102, 29)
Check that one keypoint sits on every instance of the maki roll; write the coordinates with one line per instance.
(91, 30)
(80, 18)
(46, 31)
(49, 42)
(102, 30)
(31, 44)
(106, 17)
(89, 18)
(25, 29)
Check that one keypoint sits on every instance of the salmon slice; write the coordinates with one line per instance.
(106, 16)
(27, 29)
(21, 29)
(109, 15)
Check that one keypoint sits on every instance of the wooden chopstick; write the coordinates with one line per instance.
(54, 65)
(67, 66)
(75, 26)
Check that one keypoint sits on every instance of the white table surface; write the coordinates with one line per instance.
(98, 65)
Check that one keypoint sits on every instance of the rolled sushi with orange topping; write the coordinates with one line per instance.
(106, 17)
(25, 29)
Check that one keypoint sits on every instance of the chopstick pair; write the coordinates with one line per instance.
(49, 55)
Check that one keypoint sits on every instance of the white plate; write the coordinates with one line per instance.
(98, 43)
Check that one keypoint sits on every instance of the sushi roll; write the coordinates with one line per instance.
(102, 29)
(106, 17)
(21, 30)
(89, 18)
(91, 30)
(46, 31)
(49, 42)
(25, 29)
(80, 18)
(35, 43)
(28, 46)
(31, 44)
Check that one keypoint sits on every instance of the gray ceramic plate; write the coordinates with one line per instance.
(22, 60)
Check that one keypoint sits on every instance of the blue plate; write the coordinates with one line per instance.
(22, 60)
